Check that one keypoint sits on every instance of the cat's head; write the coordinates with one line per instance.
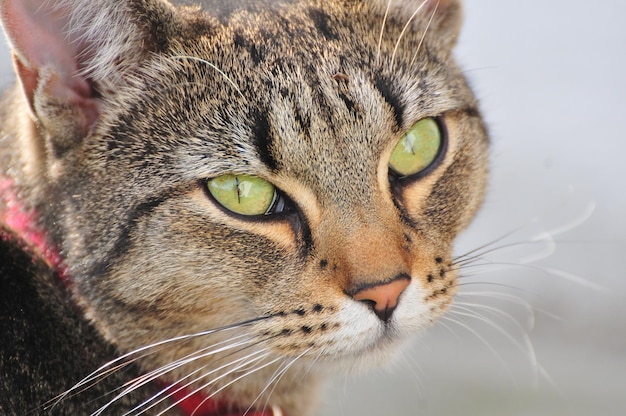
(308, 163)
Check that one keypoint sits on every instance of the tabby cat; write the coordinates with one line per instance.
(213, 206)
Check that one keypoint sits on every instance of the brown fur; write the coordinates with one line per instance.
(165, 97)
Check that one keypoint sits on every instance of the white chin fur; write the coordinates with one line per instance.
(364, 342)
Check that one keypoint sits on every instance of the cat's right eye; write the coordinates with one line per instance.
(243, 194)
(418, 149)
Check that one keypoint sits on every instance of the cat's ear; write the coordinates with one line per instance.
(68, 53)
(447, 20)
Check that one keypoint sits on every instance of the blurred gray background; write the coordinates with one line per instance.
(540, 323)
(551, 77)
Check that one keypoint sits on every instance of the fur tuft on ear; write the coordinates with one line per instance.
(67, 53)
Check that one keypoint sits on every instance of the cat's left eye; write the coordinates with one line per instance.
(243, 194)
(418, 148)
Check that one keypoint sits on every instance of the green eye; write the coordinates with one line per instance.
(243, 194)
(417, 149)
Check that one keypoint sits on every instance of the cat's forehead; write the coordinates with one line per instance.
(322, 73)
(310, 90)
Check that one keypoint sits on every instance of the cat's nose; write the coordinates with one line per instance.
(382, 297)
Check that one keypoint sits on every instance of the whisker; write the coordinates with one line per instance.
(212, 66)
(382, 30)
(204, 386)
(545, 237)
(488, 249)
(404, 29)
(507, 297)
(571, 277)
(180, 387)
(212, 371)
(498, 312)
(419, 45)
(481, 339)
(97, 375)
(276, 374)
(573, 224)
(159, 372)
(312, 364)
(574, 278)
(129, 358)
(416, 372)
(486, 245)
(462, 310)
(276, 377)
(527, 347)
(52, 403)
(245, 375)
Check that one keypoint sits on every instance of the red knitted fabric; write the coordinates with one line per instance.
(196, 404)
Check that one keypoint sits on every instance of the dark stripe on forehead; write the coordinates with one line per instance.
(263, 138)
(321, 21)
(256, 52)
(385, 87)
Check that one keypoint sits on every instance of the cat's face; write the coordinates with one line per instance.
(342, 249)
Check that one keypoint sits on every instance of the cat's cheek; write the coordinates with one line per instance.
(280, 232)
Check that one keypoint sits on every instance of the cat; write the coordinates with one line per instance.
(208, 208)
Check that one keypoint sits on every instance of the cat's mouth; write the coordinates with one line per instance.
(374, 342)
(377, 352)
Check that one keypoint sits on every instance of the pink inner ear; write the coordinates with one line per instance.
(46, 56)
(37, 31)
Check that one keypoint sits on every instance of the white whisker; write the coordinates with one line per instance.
(527, 347)
(476, 254)
(498, 312)
(574, 278)
(419, 45)
(573, 224)
(481, 339)
(204, 386)
(178, 386)
(507, 297)
(467, 311)
(125, 360)
(545, 238)
(160, 372)
(212, 66)
(571, 277)
(482, 247)
(382, 30)
(278, 374)
(404, 29)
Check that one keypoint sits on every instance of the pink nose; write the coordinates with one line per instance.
(383, 297)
